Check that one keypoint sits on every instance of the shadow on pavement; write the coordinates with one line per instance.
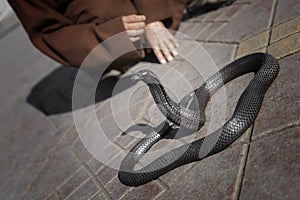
(53, 94)
(173, 133)
(196, 8)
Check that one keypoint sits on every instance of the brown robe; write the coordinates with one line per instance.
(67, 30)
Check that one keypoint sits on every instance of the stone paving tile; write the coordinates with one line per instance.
(207, 33)
(153, 118)
(114, 125)
(73, 182)
(253, 20)
(68, 138)
(58, 168)
(172, 176)
(221, 53)
(86, 191)
(15, 103)
(133, 113)
(16, 186)
(21, 117)
(116, 189)
(184, 26)
(94, 165)
(285, 90)
(261, 50)
(26, 144)
(251, 44)
(124, 104)
(285, 29)
(181, 86)
(108, 153)
(62, 121)
(211, 178)
(53, 197)
(81, 150)
(199, 60)
(125, 140)
(230, 12)
(286, 9)
(17, 141)
(139, 94)
(104, 110)
(40, 153)
(99, 196)
(192, 29)
(214, 16)
(97, 145)
(285, 46)
(82, 117)
(147, 191)
(120, 98)
(186, 72)
(273, 167)
(110, 128)
(106, 174)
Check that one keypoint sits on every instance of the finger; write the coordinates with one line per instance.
(165, 51)
(171, 47)
(135, 33)
(168, 55)
(133, 18)
(159, 56)
(135, 25)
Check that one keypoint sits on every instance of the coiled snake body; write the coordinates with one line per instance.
(265, 68)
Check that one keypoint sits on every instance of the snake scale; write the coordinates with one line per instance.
(265, 68)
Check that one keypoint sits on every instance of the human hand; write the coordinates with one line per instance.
(161, 41)
(134, 26)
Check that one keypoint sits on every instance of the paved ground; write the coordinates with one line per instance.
(42, 156)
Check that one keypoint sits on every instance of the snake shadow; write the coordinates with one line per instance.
(174, 133)
(53, 94)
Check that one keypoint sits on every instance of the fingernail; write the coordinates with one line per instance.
(163, 61)
(170, 58)
(175, 53)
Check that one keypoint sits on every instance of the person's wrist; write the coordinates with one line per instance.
(155, 24)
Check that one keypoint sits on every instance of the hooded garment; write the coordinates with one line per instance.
(67, 30)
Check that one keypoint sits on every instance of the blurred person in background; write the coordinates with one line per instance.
(68, 30)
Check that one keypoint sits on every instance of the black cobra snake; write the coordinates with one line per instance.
(265, 68)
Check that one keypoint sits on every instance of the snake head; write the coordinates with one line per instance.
(145, 75)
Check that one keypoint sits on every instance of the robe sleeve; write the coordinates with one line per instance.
(65, 41)
(154, 10)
